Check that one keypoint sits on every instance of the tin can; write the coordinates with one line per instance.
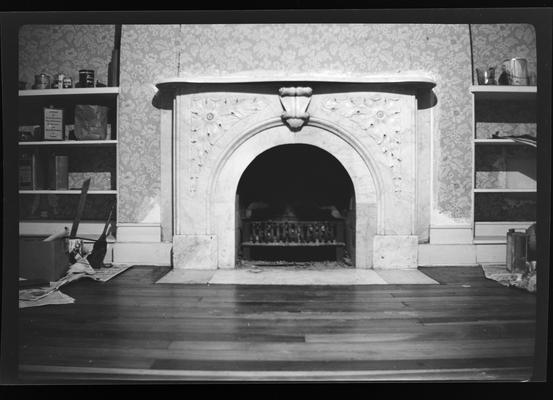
(67, 82)
(86, 78)
(58, 81)
(42, 81)
(517, 71)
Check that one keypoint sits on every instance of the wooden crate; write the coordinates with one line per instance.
(42, 260)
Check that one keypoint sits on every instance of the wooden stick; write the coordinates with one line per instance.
(57, 235)
(80, 209)
(104, 232)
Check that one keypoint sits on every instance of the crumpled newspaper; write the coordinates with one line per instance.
(51, 294)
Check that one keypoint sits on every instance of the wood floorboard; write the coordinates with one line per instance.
(467, 327)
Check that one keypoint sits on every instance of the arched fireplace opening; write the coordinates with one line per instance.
(295, 203)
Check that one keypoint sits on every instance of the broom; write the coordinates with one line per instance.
(96, 257)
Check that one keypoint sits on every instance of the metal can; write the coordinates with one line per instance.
(42, 81)
(67, 82)
(86, 77)
(58, 81)
(517, 71)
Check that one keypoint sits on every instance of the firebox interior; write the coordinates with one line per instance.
(296, 203)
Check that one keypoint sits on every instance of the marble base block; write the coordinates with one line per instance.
(395, 251)
(195, 252)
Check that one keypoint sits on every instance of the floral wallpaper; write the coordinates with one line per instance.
(148, 54)
(153, 52)
(493, 43)
(443, 50)
(65, 48)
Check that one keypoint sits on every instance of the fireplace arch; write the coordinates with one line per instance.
(225, 181)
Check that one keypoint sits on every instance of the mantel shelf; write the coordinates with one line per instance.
(417, 78)
(70, 92)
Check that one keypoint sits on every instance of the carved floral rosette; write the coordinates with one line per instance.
(379, 117)
(210, 119)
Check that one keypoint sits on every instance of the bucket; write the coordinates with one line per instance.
(517, 251)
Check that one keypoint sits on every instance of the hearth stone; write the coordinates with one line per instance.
(395, 251)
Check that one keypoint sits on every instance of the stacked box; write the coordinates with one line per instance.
(57, 172)
(98, 180)
(42, 260)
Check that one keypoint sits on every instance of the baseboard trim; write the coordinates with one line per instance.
(447, 254)
(144, 253)
(451, 234)
(131, 232)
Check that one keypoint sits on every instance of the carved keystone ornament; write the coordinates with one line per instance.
(295, 101)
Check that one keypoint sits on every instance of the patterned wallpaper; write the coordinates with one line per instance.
(64, 48)
(148, 54)
(493, 43)
(152, 52)
(443, 50)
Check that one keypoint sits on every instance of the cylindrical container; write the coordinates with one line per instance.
(67, 82)
(58, 81)
(42, 81)
(485, 77)
(517, 251)
(517, 71)
(86, 77)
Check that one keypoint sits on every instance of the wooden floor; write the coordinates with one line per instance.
(466, 328)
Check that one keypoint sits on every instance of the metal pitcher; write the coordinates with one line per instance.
(516, 71)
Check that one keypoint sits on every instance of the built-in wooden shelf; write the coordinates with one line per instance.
(56, 143)
(498, 141)
(499, 92)
(70, 92)
(41, 227)
(504, 190)
(74, 191)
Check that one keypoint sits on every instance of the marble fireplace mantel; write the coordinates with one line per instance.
(417, 78)
(368, 123)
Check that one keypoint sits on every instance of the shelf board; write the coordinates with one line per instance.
(73, 191)
(504, 190)
(504, 92)
(55, 143)
(490, 239)
(70, 92)
(498, 141)
(45, 227)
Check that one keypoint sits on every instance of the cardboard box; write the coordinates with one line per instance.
(31, 171)
(42, 260)
(30, 133)
(98, 180)
(58, 178)
(26, 181)
(91, 122)
(52, 124)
